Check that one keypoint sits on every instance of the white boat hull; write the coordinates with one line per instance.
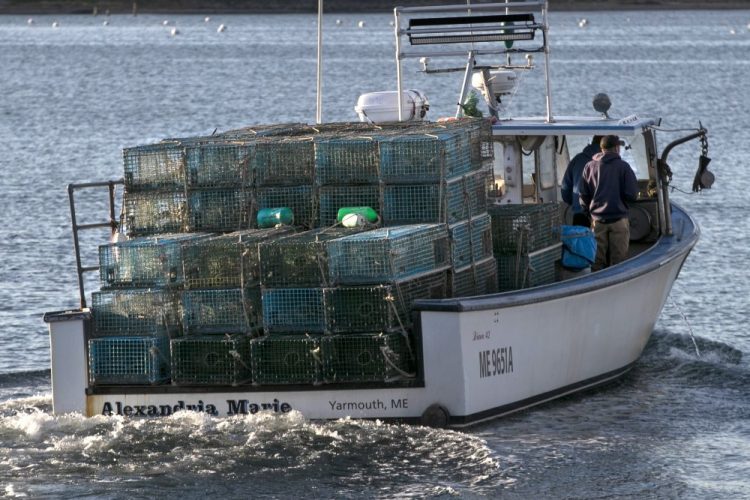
(483, 357)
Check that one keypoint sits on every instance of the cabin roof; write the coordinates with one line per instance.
(573, 125)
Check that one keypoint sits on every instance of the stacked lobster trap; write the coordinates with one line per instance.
(207, 290)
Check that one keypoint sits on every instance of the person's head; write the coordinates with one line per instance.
(596, 141)
(610, 143)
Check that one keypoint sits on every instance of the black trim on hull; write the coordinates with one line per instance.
(501, 411)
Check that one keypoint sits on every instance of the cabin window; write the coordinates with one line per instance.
(635, 154)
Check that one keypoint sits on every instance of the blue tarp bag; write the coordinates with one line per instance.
(579, 247)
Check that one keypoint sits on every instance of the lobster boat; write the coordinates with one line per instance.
(394, 268)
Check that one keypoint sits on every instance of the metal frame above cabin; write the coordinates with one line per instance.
(495, 23)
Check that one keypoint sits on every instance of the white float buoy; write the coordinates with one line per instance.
(338, 22)
(105, 23)
(175, 32)
(732, 32)
(30, 21)
(165, 23)
(361, 24)
(206, 19)
(55, 24)
(748, 26)
(221, 28)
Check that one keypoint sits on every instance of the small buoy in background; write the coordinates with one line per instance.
(732, 32)
(55, 24)
(361, 24)
(30, 21)
(353, 220)
(391, 23)
(583, 23)
(175, 32)
(206, 19)
(165, 23)
(221, 28)
(748, 26)
(105, 23)
(338, 22)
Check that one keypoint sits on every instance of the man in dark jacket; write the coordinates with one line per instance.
(607, 185)
(572, 177)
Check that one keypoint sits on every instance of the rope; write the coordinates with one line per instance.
(687, 323)
(390, 299)
(385, 351)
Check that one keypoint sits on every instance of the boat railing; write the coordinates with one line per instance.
(477, 23)
(113, 224)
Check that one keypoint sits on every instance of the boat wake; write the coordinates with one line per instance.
(190, 450)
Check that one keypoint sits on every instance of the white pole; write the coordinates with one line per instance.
(399, 83)
(319, 111)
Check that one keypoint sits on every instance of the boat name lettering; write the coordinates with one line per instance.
(155, 410)
(244, 407)
(375, 404)
(481, 335)
(495, 361)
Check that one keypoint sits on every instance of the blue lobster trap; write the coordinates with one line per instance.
(388, 254)
(478, 278)
(429, 157)
(455, 200)
(221, 311)
(471, 240)
(128, 360)
(152, 261)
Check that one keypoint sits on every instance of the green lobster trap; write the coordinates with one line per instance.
(152, 261)
(283, 161)
(128, 360)
(227, 261)
(524, 228)
(367, 357)
(154, 212)
(211, 360)
(136, 312)
(286, 359)
(219, 210)
(221, 311)
(217, 165)
(158, 166)
(527, 270)
(388, 254)
(333, 198)
(300, 199)
(479, 278)
(299, 260)
(347, 160)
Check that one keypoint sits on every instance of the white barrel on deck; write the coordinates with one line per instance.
(382, 107)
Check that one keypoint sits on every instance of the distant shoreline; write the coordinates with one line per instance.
(103, 7)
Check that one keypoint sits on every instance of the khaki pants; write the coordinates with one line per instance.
(612, 242)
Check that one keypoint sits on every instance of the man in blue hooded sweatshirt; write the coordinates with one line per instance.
(607, 185)
(572, 177)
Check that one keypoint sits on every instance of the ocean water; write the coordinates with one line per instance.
(677, 426)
